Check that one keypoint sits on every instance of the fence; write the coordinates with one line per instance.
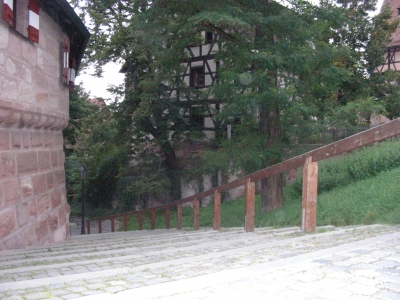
(310, 178)
(331, 135)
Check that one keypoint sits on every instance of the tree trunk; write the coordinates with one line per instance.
(271, 187)
(271, 193)
(173, 171)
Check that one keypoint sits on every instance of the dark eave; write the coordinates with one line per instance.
(64, 15)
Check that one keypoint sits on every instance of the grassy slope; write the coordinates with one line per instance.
(373, 199)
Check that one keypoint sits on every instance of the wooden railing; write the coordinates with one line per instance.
(310, 178)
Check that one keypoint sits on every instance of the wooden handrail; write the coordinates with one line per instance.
(367, 137)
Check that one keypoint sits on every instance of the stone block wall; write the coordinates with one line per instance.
(33, 112)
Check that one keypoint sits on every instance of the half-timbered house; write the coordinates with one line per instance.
(201, 73)
(392, 56)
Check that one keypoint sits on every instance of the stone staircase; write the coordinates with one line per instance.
(360, 261)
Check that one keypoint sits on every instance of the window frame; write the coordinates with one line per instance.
(197, 77)
(23, 16)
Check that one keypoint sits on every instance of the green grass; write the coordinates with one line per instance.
(350, 168)
(369, 201)
(361, 188)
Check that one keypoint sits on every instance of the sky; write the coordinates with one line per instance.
(97, 87)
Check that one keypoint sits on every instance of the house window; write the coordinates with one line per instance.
(198, 120)
(197, 77)
(398, 11)
(209, 36)
(23, 16)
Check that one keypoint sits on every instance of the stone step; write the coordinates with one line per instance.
(199, 243)
(90, 246)
(136, 259)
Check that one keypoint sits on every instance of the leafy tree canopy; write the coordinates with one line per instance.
(284, 70)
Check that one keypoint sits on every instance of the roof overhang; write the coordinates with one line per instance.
(64, 15)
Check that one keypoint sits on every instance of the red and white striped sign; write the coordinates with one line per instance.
(8, 13)
(33, 28)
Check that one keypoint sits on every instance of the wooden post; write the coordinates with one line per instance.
(217, 211)
(153, 219)
(140, 221)
(88, 226)
(126, 222)
(250, 197)
(100, 227)
(112, 224)
(196, 213)
(167, 217)
(179, 216)
(309, 196)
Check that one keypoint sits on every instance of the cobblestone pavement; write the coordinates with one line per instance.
(361, 262)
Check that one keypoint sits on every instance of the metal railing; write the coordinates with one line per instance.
(367, 137)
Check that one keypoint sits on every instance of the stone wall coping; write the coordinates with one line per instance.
(21, 115)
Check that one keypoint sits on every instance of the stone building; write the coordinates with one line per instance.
(41, 45)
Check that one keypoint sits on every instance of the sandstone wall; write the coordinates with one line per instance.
(33, 112)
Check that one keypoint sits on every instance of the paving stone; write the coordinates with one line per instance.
(366, 273)
(395, 272)
(363, 259)
(366, 266)
(308, 288)
(387, 263)
(395, 287)
(37, 296)
(361, 289)
(6, 280)
(114, 289)
(59, 293)
(385, 295)
(90, 293)
(95, 286)
(339, 275)
(132, 286)
(389, 278)
(77, 289)
(322, 261)
(71, 296)
(333, 293)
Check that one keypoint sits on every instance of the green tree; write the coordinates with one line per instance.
(79, 108)
(284, 70)
(151, 115)
(91, 140)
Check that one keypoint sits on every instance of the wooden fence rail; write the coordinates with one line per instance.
(310, 178)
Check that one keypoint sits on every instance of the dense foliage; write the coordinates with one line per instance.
(285, 72)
